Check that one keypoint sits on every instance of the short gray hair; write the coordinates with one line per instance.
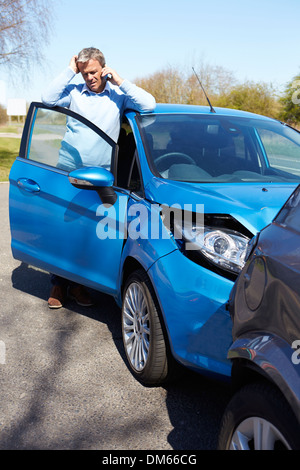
(91, 53)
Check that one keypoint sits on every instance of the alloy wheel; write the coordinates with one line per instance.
(257, 434)
(136, 329)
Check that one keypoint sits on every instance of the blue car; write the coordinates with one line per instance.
(164, 229)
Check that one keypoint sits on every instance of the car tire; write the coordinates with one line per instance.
(259, 418)
(142, 331)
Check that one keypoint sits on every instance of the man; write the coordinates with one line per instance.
(102, 100)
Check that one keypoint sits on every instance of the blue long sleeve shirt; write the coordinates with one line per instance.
(104, 109)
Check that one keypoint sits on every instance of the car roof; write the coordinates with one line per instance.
(162, 108)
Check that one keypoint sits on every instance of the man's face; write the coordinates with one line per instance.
(91, 72)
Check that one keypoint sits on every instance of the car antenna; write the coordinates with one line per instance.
(210, 105)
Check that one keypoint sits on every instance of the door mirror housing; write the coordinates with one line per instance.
(95, 178)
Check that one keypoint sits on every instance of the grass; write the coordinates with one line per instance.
(9, 150)
(10, 129)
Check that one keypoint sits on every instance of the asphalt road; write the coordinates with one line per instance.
(64, 382)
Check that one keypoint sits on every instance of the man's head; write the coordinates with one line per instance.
(91, 53)
(90, 63)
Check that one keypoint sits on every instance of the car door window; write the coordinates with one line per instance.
(282, 151)
(61, 140)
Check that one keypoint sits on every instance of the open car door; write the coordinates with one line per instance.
(56, 225)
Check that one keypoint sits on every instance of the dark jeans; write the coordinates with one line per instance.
(60, 281)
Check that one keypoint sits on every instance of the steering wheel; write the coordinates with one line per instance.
(167, 159)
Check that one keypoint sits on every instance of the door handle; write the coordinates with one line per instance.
(28, 185)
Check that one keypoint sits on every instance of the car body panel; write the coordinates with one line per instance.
(254, 205)
(51, 226)
(280, 294)
(194, 310)
(265, 303)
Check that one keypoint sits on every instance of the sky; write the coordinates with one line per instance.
(256, 40)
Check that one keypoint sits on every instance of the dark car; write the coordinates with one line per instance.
(264, 412)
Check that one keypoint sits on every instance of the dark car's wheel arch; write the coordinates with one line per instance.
(246, 373)
(259, 417)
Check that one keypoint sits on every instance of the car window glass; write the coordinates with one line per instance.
(283, 153)
(220, 149)
(64, 142)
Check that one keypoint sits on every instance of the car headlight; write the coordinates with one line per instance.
(216, 241)
(224, 247)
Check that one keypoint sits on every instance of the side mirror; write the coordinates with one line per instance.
(97, 179)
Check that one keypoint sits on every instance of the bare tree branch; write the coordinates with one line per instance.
(25, 26)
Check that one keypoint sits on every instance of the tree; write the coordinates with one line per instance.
(3, 115)
(253, 97)
(166, 85)
(290, 101)
(175, 85)
(24, 30)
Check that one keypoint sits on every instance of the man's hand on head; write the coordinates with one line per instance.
(73, 64)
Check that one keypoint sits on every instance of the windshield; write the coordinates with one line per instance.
(212, 148)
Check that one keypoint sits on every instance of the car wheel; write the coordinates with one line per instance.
(259, 418)
(143, 336)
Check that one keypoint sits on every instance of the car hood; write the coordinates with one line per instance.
(252, 204)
